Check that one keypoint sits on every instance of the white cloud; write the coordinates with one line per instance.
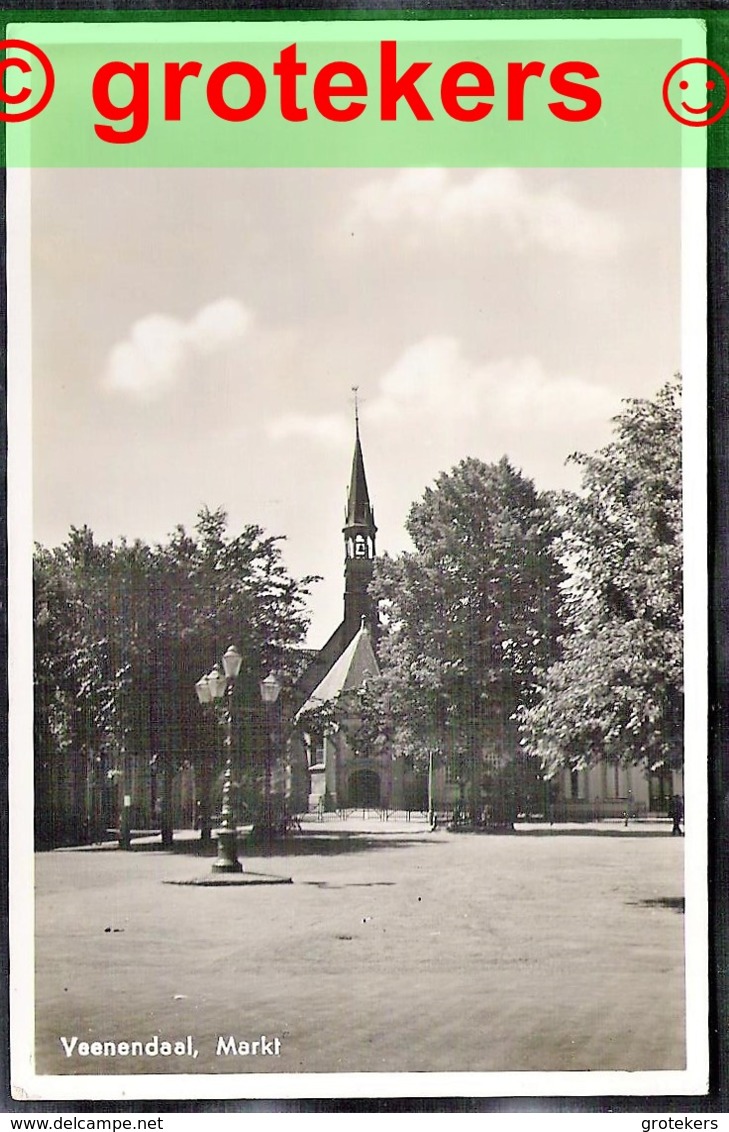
(217, 325)
(434, 379)
(159, 349)
(550, 218)
(429, 378)
(433, 389)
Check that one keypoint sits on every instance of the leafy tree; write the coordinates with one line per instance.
(617, 691)
(365, 718)
(215, 590)
(469, 616)
(123, 632)
(81, 673)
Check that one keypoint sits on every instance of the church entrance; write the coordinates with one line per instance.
(364, 788)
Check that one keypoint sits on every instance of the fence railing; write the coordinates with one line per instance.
(597, 809)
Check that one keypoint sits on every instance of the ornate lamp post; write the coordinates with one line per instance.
(270, 690)
(210, 688)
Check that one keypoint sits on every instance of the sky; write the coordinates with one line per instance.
(197, 334)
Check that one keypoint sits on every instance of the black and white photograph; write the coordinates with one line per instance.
(368, 528)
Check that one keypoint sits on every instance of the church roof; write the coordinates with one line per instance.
(359, 508)
(348, 673)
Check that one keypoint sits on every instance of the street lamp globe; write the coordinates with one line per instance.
(270, 688)
(204, 693)
(216, 683)
(232, 661)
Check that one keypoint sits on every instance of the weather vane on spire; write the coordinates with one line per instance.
(355, 390)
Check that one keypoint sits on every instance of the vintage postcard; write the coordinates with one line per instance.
(357, 387)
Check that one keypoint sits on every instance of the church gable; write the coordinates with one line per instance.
(348, 673)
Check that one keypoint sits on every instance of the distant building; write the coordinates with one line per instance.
(607, 790)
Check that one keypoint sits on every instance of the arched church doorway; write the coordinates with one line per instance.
(364, 788)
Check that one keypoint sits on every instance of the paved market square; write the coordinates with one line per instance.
(393, 949)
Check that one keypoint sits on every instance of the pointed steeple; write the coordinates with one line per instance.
(359, 540)
(359, 508)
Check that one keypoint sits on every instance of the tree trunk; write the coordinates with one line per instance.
(204, 802)
(474, 745)
(166, 824)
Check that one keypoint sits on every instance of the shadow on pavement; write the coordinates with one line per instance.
(355, 884)
(331, 844)
(674, 903)
(317, 844)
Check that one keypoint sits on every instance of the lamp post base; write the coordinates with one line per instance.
(227, 859)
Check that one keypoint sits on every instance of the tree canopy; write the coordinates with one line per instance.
(124, 630)
(617, 691)
(469, 615)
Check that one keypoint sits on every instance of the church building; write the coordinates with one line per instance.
(342, 773)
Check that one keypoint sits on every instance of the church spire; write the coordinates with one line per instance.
(359, 539)
(359, 508)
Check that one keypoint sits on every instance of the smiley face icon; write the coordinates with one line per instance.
(696, 92)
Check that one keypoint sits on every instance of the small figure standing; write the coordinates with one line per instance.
(676, 813)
